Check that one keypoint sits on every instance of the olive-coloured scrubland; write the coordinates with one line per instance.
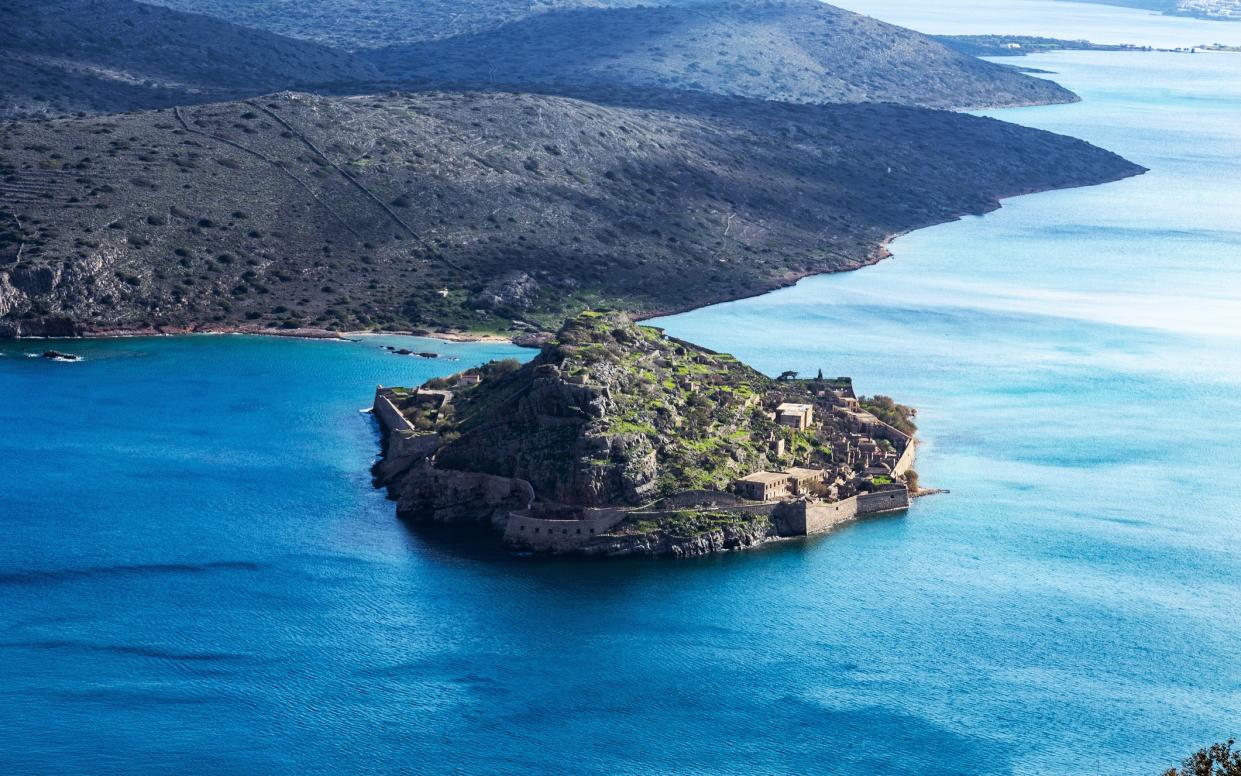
(477, 210)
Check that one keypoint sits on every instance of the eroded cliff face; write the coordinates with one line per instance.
(449, 496)
(550, 432)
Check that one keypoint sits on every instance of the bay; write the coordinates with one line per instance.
(196, 576)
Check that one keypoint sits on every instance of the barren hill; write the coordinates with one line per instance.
(477, 209)
(360, 24)
(788, 50)
(61, 57)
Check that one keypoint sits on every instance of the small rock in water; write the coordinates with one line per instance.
(429, 355)
(56, 355)
(405, 352)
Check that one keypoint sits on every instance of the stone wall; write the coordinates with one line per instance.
(525, 529)
(806, 518)
(906, 461)
(695, 498)
(540, 530)
(749, 508)
(388, 415)
(404, 450)
(882, 501)
(445, 495)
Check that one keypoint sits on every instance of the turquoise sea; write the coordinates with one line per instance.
(196, 577)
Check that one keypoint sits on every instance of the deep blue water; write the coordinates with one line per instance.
(196, 576)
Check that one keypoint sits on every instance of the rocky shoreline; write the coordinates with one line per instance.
(66, 329)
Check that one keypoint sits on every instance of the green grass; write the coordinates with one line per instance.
(690, 523)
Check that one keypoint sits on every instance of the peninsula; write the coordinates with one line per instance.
(619, 440)
(493, 211)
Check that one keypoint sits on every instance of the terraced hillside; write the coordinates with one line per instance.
(60, 57)
(475, 210)
(788, 50)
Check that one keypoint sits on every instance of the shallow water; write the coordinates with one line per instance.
(195, 574)
(1076, 358)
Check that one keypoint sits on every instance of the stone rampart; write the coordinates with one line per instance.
(450, 496)
(906, 461)
(402, 451)
(388, 415)
(748, 508)
(526, 529)
(806, 518)
(882, 501)
(697, 498)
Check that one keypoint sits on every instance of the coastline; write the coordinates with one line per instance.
(879, 253)
(254, 331)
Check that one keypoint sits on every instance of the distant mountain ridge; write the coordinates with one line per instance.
(61, 57)
(787, 50)
(110, 56)
(363, 24)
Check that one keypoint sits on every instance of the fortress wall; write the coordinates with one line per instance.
(906, 461)
(404, 451)
(692, 498)
(882, 501)
(452, 496)
(820, 518)
(536, 533)
(750, 508)
(809, 518)
(389, 416)
(794, 519)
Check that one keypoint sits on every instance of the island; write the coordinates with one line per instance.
(1023, 45)
(618, 439)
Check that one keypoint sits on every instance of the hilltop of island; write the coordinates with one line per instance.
(618, 439)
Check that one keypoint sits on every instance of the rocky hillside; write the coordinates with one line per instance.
(635, 438)
(361, 24)
(788, 50)
(613, 413)
(60, 57)
(476, 210)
